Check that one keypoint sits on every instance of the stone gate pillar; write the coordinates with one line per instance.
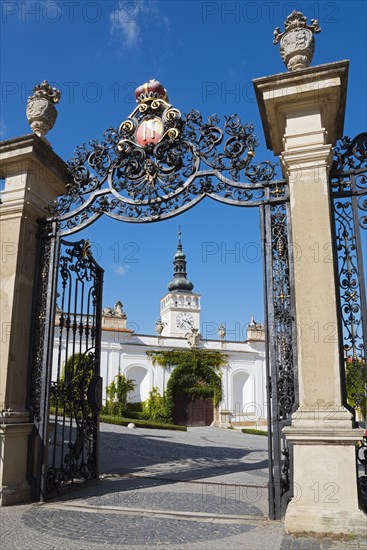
(34, 175)
(303, 114)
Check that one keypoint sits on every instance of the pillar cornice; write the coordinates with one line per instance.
(281, 96)
(34, 176)
(17, 153)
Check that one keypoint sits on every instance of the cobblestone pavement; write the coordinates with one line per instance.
(206, 488)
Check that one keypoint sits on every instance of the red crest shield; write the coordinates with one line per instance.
(149, 131)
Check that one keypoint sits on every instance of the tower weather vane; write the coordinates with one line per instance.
(297, 44)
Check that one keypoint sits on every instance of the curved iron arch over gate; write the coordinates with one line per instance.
(156, 165)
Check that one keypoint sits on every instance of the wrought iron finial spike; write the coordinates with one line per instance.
(179, 235)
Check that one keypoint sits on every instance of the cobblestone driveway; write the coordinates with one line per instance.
(206, 488)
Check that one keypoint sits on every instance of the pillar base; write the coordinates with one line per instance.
(15, 488)
(324, 481)
(15, 493)
(313, 519)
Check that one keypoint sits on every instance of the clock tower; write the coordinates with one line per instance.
(180, 307)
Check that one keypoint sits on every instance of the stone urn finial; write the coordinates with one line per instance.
(41, 110)
(159, 326)
(222, 332)
(297, 43)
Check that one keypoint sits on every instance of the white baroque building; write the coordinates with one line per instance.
(243, 378)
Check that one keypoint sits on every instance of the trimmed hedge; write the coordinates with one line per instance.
(140, 423)
(253, 431)
(107, 419)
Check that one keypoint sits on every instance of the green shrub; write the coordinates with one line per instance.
(117, 393)
(356, 385)
(134, 407)
(154, 407)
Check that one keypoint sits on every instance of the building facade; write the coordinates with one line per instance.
(124, 351)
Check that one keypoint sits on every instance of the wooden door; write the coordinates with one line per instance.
(193, 412)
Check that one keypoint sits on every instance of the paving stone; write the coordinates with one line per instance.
(202, 471)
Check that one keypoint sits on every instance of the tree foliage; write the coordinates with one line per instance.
(117, 393)
(155, 408)
(195, 373)
(356, 383)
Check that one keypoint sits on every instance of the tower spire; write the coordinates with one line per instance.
(179, 246)
(180, 281)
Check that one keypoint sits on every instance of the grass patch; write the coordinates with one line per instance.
(150, 424)
(253, 431)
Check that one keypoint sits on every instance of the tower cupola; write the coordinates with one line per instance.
(180, 283)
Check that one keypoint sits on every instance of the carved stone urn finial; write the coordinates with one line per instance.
(41, 110)
(159, 326)
(297, 43)
(222, 332)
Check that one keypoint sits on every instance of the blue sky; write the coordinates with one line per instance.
(206, 54)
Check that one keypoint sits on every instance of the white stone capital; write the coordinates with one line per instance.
(315, 158)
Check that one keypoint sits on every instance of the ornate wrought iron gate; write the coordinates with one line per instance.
(66, 386)
(348, 190)
(158, 164)
(282, 382)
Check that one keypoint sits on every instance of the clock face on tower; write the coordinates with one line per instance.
(184, 320)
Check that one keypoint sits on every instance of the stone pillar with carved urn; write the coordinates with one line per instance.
(303, 115)
(34, 175)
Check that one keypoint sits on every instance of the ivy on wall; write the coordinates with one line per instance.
(196, 374)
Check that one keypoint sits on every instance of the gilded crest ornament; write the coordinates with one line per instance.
(297, 44)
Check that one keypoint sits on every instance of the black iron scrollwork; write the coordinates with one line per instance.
(348, 176)
(40, 323)
(350, 154)
(75, 392)
(159, 163)
(281, 364)
(283, 318)
(362, 480)
(348, 185)
(348, 188)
